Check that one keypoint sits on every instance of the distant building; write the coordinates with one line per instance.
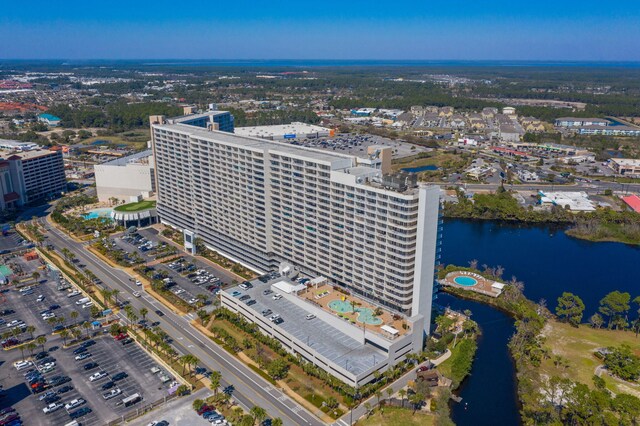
(509, 111)
(508, 133)
(609, 130)
(277, 132)
(31, 176)
(574, 201)
(457, 122)
(580, 122)
(363, 112)
(489, 113)
(11, 145)
(127, 178)
(633, 201)
(446, 111)
(49, 120)
(626, 166)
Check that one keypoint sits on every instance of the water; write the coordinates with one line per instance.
(102, 213)
(489, 393)
(465, 281)
(420, 169)
(548, 262)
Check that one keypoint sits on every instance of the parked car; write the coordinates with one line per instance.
(108, 385)
(90, 366)
(120, 376)
(74, 403)
(82, 356)
(79, 413)
(97, 376)
(112, 393)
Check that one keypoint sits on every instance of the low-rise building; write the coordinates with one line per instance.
(127, 178)
(609, 130)
(626, 166)
(574, 201)
(580, 122)
(295, 130)
(49, 120)
(633, 201)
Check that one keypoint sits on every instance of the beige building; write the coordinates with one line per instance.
(127, 178)
(626, 166)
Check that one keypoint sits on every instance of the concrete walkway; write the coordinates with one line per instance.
(359, 411)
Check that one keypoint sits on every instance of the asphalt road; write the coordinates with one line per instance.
(249, 388)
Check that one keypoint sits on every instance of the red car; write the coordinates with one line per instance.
(205, 408)
(121, 336)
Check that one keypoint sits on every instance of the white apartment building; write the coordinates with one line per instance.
(263, 202)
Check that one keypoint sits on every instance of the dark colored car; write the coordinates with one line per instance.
(41, 355)
(54, 307)
(79, 413)
(119, 376)
(59, 380)
(51, 399)
(251, 302)
(205, 408)
(108, 385)
(127, 341)
(159, 313)
(88, 343)
(90, 365)
(79, 350)
(65, 389)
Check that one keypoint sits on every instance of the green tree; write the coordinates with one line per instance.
(622, 362)
(614, 306)
(197, 404)
(278, 369)
(276, 422)
(144, 311)
(215, 378)
(31, 347)
(30, 329)
(570, 308)
(41, 340)
(628, 407)
(596, 320)
(258, 413)
(402, 392)
(416, 399)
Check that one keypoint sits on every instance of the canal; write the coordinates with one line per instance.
(548, 262)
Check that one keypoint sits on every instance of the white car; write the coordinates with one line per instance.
(112, 393)
(74, 403)
(47, 316)
(40, 298)
(87, 305)
(136, 294)
(21, 365)
(310, 316)
(47, 367)
(74, 294)
(97, 376)
(277, 296)
(52, 407)
(138, 283)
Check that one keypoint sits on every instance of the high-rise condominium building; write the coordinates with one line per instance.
(262, 202)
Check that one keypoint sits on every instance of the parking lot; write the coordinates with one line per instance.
(357, 144)
(57, 364)
(185, 276)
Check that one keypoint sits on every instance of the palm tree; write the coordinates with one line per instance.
(215, 378)
(35, 275)
(30, 330)
(41, 340)
(115, 293)
(402, 392)
(86, 325)
(258, 413)
(389, 392)
(276, 422)
(76, 333)
(378, 395)
(193, 362)
(367, 407)
(144, 312)
(31, 347)
(64, 334)
(416, 399)
(74, 315)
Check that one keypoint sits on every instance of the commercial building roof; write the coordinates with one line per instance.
(49, 117)
(577, 201)
(632, 162)
(138, 157)
(281, 130)
(632, 201)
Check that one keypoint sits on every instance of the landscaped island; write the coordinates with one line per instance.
(136, 207)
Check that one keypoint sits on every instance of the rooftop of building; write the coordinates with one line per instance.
(592, 119)
(627, 161)
(295, 128)
(25, 155)
(189, 117)
(257, 143)
(319, 335)
(49, 117)
(141, 157)
(633, 201)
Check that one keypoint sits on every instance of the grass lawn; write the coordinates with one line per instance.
(439, 159)
(133, 138)
(395, 416)
(136, 207)
(577, 346)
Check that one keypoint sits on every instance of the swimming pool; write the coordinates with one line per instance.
(365, 315)
(104, 213)
(465, 281)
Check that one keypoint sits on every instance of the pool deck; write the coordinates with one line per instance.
(484, 285)
(311, 295)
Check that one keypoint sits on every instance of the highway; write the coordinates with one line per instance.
(249, 388)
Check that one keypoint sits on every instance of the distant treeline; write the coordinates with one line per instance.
(117, 116)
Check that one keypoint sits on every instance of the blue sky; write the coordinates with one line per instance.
(329, 29)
